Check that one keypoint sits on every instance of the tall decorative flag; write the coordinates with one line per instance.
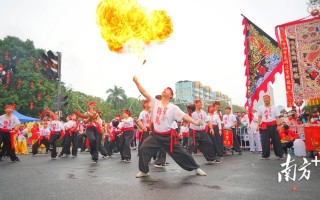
(263, 61)
(300, 43)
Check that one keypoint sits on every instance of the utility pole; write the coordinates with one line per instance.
(59, 84)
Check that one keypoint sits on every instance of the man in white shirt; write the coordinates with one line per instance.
(43, 138)
(163, 114)
(56, 128)
(230, 122)
(269, 123)
(8, 123)
(254, 135)
(200, 135)
(144, 118)
(216, 136)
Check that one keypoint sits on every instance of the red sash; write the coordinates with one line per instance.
(173, 139)
(264, 125)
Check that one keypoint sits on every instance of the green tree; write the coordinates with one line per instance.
(21, 59)
(116, 97)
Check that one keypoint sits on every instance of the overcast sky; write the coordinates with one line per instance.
(206, 44)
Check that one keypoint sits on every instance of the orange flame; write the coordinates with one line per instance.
(125, 23)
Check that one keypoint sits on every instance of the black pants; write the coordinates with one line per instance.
(134, 141)
(95, 142)
(68, 140)
(124, 145)
(82, 141)
(36, 145)
(66, 143)
(116, 144)
(236, 145)
(267, 134)
(286, 146)
(108, 145)
(7, 148)
(144, 136)
(161, 157)
(185, 141)
(53, 139)
(217, 141)
(206, 146)
(102, 150)
(179, 154)
(192, 145)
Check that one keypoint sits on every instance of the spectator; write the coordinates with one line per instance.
(287, 138)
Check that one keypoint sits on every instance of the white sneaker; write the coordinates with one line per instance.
(141, 174)
(159, 166)
(200, 172)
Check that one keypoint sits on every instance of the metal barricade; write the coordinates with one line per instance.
(243, 136)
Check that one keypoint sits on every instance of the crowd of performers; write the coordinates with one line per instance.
(161, 128)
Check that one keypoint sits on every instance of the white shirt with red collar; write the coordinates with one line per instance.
(8, 124)
(229, 120)
(199, 116)
(56, 126)
(144, 117)
(126, 124)
(215, 120)
(164, 116)
(43, 132)
(70, 125)
(268, 114)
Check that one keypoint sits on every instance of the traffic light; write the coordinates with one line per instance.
(58, 105)
(51, 63)
(64, 102)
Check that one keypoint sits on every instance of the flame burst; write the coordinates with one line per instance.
(125, 23)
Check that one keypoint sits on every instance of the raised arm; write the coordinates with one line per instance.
(141, 89)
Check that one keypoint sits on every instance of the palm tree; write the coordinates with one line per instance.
(116, 96)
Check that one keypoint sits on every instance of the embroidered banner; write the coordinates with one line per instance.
(263, 61)
(300, 44)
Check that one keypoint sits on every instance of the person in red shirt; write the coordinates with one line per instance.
(287, 138)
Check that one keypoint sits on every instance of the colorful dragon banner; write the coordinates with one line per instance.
(263, 60)
(300, 44)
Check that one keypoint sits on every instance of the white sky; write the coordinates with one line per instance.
(206, 44)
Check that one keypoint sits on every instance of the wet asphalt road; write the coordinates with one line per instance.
(237, 177)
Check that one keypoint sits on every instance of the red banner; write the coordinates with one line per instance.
(299, 41)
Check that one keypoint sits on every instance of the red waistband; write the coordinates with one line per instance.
(197, 131)
(269, 123)
(264, 125)
(173, 139)
(128, 129)
(4, 130)
(163, 133)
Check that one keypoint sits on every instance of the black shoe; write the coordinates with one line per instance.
(240, 152)
(127, 160)
(16, 160)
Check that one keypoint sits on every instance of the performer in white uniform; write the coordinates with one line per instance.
(8, 123)
(269, 123)
(254, 135)
(163, 114)
(230, 122)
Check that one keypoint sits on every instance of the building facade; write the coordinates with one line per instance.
(188, 91)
